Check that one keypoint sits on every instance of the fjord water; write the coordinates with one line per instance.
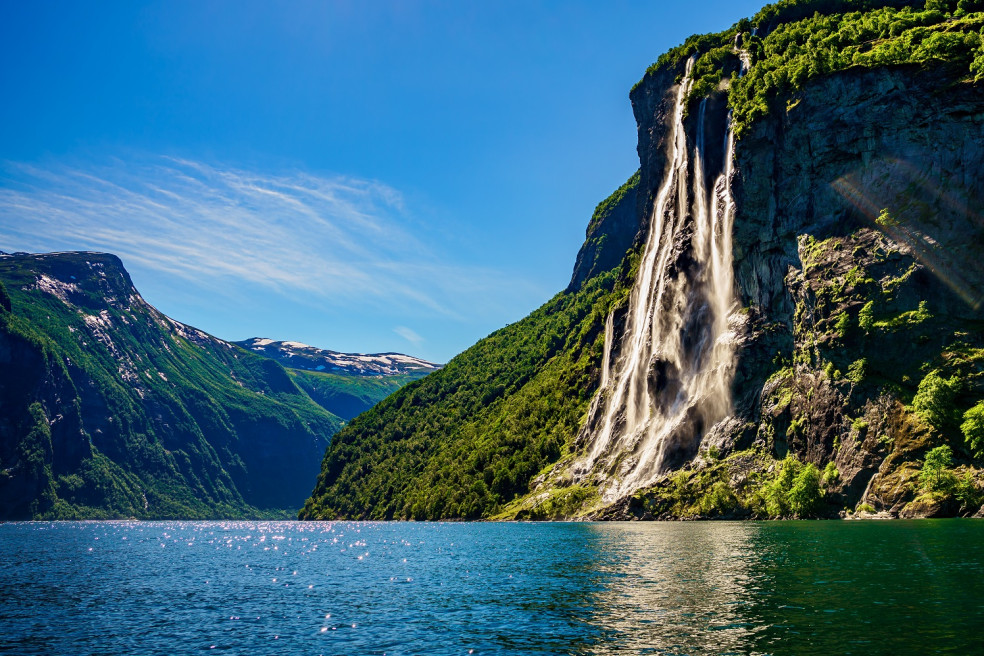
(901, 587)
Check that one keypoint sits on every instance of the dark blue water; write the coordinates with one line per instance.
(402, 588)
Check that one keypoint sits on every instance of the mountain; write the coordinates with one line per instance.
(778, 315)
(295, 355)
(108, 408)
(345, 384)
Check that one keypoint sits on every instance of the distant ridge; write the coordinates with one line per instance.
(311, 358)
(110, 409)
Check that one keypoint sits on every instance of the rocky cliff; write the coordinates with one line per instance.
(613, 230)
(857, 241)
(108, 408)
(865, 193)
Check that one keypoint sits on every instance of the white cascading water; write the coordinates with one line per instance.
(671, 381)
(606, 363)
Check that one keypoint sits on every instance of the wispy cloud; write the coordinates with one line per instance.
(336, 239)
(409, 335)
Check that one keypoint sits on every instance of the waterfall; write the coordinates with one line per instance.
(671, 381)
(606, 363)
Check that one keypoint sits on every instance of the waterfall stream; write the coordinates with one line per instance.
(671, 381)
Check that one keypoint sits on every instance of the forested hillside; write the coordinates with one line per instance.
(466, 440)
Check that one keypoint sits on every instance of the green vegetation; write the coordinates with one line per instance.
(794, 490)
(696, 493)
(5, 303)
(886, 220)
(34, 455)
(843, 35)
(940, 484)
(933, 401)
(907, 319)
(806, 495)
(775, 492)
(561, 503)
(605, 207)
(856, 372)
(111, 410)
(468, 439)
(709, 69)
(935, 475)
(866, 319)
(973, 429)
(348, 396)
(799, 40)
(768, 488)
(967, 493)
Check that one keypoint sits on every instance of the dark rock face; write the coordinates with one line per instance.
(865, 191)
(652, 104)
(610, 234)
(850, 145)
(859, 194)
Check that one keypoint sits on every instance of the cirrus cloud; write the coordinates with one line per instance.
(333, 239)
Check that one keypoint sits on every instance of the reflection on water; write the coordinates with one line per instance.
(403, 588)
(677, 588)
(901, 587)
(913, 587)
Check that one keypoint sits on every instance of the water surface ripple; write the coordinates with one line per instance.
(902, 587)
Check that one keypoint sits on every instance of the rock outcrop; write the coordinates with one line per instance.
(861, 190)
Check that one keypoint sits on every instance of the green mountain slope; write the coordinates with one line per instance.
(110, 409)
(468, 439)
(858, 281)
(345, 395)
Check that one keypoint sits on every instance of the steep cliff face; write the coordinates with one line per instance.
(867, 190)
(853, 144)
(108, 408)
(612, 231)
(857, 242)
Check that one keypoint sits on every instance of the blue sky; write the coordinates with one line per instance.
(359, 176)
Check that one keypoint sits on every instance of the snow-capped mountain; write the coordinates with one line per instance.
(302, 356)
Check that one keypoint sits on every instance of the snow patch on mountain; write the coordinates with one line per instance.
(303, 356)
(57, 288)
